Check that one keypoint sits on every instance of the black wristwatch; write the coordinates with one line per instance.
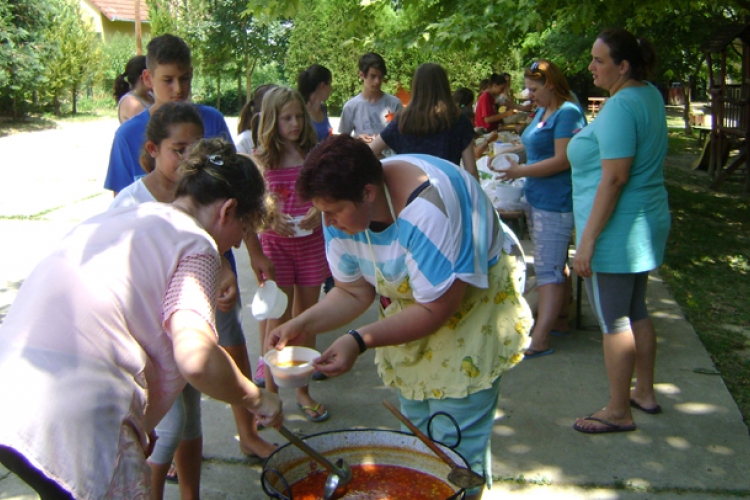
(358, 338)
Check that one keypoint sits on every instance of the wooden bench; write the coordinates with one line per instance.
(703, 132)
(595, 104)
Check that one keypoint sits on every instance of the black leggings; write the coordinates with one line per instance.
(44, 486)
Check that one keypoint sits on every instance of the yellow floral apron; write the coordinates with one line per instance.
(479, 343)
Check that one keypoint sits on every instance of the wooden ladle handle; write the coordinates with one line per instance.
(427, 441)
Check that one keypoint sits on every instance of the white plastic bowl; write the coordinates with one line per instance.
(500, 162)
(269, 302)
(297, 230)
(508, 192)
(291, 366)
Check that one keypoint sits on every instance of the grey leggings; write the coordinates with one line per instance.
(618, 300)
(182, 421)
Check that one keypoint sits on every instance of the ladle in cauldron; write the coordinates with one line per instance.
(340, 474)
(460, 476)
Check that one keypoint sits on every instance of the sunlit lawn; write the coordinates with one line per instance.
(707, 264)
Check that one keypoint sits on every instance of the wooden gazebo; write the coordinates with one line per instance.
(730, 104)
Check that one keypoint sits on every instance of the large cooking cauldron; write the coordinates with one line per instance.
(288, 464)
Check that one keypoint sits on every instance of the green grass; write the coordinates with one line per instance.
(88, 109)
(707, 264)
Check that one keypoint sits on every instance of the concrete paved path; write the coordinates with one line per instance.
(697, 449)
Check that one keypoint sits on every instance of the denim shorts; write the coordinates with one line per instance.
(475, 415)
(550, 232)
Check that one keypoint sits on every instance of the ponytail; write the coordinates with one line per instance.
(309, 79)
(624, 46)
(120, 88)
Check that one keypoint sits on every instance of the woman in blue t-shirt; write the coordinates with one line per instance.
(548, 191)
(314, 84)
(622, 216)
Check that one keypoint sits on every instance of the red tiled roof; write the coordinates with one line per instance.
(121, 10)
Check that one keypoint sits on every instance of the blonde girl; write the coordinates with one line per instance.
(295, 241)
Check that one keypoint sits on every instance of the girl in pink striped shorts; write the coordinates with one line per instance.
(295, 241)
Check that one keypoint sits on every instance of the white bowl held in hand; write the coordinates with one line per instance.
(269, 302)
(297, 230)
(292, 366)
(500, 162)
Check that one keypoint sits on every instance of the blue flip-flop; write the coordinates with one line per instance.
(537, 354)
(319, 418)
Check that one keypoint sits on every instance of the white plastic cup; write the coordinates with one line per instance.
(269, 302)
(292, 366)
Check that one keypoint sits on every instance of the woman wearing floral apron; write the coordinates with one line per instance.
(421, 233)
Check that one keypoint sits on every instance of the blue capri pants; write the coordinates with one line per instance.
(475, 415)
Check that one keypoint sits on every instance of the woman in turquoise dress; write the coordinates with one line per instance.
(622, 220)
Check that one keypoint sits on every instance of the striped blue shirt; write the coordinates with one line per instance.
(449, 231)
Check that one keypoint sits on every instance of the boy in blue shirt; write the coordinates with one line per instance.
(169, 73)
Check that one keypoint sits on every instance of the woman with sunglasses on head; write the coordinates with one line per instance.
(549, 192)
(109, 327)
(622, 220)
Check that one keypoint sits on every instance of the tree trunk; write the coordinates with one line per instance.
(74, 91)
(56, 104)
(218, 91)
(240, 104)
(249, 70)
(686, 108)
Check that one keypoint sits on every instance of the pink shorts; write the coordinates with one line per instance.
(298, 261)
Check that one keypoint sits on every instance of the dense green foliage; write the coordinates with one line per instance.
(73, 57)
(23, 25)
(47, 54)
(240, 44)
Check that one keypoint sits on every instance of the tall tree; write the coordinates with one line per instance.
(22, 48)
(74, 53)
(229, 39)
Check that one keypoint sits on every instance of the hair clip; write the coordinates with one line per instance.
(216, 160)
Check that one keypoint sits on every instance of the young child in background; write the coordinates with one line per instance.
(286, 136)
(247, 141)
(170, 132)
(131, 94)
(247, 137)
